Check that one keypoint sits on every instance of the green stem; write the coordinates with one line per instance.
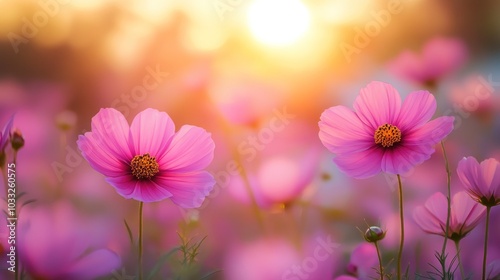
(380, 267)
(141, 204)
(488, 208)
(401, 217)
(457, 246)
(448, 199)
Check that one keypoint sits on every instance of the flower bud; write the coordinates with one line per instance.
(17, 140)
(374, 234)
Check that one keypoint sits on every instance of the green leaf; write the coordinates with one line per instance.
(161, 261)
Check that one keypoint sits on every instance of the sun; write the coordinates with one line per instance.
(278, 22)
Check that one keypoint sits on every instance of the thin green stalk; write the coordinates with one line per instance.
(457, 246)
(141, 204)
(402, 237)
(448, 211)
(488, 208)
(380, 267)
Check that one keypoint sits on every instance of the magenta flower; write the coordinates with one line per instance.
(148, 161)
(482, 181)
(382, 134)
(439, 57)
(464, 216)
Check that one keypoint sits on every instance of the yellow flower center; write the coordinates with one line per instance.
(144, 167)
(387, 135)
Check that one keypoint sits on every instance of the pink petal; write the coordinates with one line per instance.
(403, 158)
(490, 171)
(191, 149)
(124, 185)
(188, 189)
(378, 104)
(97, 263)
(443, 55)
(4, 137)
(427, 221)
(360, 165)
(409, 66)
(110, 130)
(151, 132)
(101, 157)
(341, 131)
(432, 217)
(468, 173)
(465, 212)
(437, 204)
(430, 133)
(150, 191)
(417, 109)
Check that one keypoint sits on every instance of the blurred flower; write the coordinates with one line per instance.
(439, 57)
(464, 216)
(363, 260)
(55, 244)
(243, 101)
(273, 258)
(4, 137)
(66, 120)
(147, 160)
(383, 134)
(493, 270)
(482, 181)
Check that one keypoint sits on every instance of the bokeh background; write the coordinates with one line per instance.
(257, 75)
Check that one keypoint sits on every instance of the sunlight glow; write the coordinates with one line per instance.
(278, 22)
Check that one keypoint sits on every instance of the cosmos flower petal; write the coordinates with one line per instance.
(403, 159)
(97, 263)
(151, 132)
(150, 191)
(468, 173)
(417, 109)
(124, 185)
(341, 131)
(188, 189)
(430, 133)
(110, 130)
(427, 221)
(100, 157)
(490, 170)
(409, 66)
(191, 149)
(377, 104)
(466, 213)
(359, 165)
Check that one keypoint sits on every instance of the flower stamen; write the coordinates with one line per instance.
(387, 135)
(144, 166)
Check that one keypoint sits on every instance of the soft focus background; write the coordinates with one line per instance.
(257, 75)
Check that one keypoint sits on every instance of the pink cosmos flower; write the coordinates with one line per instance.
(55, 243)
(464, 216)
(362, 263)
(439, 57)
(148, 161)
(482, 181)
(382, 134)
